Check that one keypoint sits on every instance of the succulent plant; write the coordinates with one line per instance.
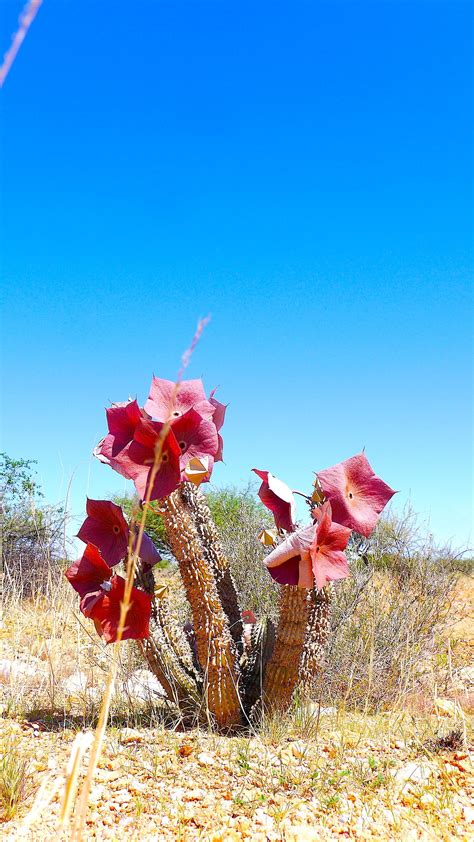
(225, 666)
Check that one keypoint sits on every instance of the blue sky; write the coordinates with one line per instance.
(303, 172)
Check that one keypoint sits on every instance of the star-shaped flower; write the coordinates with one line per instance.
(356, 495)
(106, 528)
(196, 437)
(164, 405)
(311, 555)
(328, 560)
(101, 595)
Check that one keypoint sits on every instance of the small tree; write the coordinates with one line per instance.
(31, 532)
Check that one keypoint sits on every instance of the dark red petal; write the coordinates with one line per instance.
(107, 612)
(286, 573)
(262, 474)
(88, 573)
(148, 552)
(123, 418)
(220, 410)
(280, 509)
(219, 457)
(277, 497)
(198, 435)
(107, 529)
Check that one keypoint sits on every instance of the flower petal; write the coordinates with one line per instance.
(279, 498)
(87, 573)
(163, 403)
(107, 611)
(357, 496)
(107, 528)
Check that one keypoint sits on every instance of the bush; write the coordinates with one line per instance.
(387, 616)
(240, 517)
(32, 534)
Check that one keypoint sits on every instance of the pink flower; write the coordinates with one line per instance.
(138, 458)
(290, 562)
(218, 419)
(129, 447)
(190, 395)
(101, 596)
(277, 497)
(122, 421)
(356, 495)
(329, 562)
(196, 437)
(313, 554)
(106, 528)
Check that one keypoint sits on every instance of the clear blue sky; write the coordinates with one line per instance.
(303, 172)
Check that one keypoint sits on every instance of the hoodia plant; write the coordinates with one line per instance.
(216, 668)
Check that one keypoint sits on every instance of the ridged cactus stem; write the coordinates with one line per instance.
(215, 648)
(319, 626)
(218, 561)
(178, 685)
(283, 669)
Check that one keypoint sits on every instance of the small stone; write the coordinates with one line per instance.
(205, 759)
(131, 735)
(299, 749)
(195, 795)
(412, 772)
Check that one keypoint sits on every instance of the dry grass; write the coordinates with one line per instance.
(53, 666)
(15, 785)
(401, 772)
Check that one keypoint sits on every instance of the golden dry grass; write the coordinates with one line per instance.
(402, 774)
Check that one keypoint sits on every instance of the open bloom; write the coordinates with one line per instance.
(133, 437)
(122, 421)
(101, 595)
(140, 454)
(279, 498)
(313, 554)
(106, 528)
(290, 562)
(328, 559)
(356, 495)
(197, 439)
(164, 405)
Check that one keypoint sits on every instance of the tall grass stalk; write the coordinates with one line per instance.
(132, 558)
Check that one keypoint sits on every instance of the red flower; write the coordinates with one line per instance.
(329, 562)
(356, 495)
(139, 457)
(122, 420)
(196, 437)
(290, 562)
(129, 448)
(311, 555)
(161, 405)
(277, 497)
(107, 529)
(101, 596)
